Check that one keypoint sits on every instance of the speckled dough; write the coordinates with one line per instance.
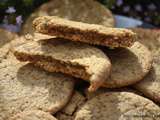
(77, 59)
(119, 106)
(24, 87)
(84, 32)
(5, 38)
(128, 65)
(69, 111)
(89, 11)
(33, 115)
(150, 85)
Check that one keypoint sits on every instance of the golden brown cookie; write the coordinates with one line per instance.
(129, 65)
(84, 32)
(118, 106)
(24, 87)
(150, 85)
(77, 59)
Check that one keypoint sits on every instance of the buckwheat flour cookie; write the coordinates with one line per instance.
(89, 11)
(69, 111)
(118, 106)
(150, 85)
(76, 59)
(84, 32)
(5, 38)
(129, 65)
(33, 115)
(24, 87)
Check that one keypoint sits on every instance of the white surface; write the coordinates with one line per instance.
(125, 22)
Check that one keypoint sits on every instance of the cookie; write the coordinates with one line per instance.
(69, 111)
(84, 32)
(129, 65)
(24, 87)
(150, 85)
(33, 115)
(118, 106)
(5, 38)
(89, 11)
(76, 59)
(148, 37)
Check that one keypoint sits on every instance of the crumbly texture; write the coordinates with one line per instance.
(88, 33)
(24, 87)
(118, 106)
(150, 85)
(33, 115)
(5, 38)
(89, 11)
(77, 59)
(69, 111)
(128, 65)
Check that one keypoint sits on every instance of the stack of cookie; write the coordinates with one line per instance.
(34, 90)
(69, 52)
(47, 83)
(68, 47)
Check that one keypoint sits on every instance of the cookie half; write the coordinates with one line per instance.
(76, 59)
(24, 87)
(129, 65)
(84, 32)
(89, 11)
(33, 115)
(118, 106)
(150, 85)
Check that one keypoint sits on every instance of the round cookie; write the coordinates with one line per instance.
(69, 111)
(24, 87)
(33, 115)
(150, 85)
(128, 65)
(88, 11)
(72, 58)
(118, 106)
(148, 37)
(5, 38)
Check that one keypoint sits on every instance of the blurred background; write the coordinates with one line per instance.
(15, 12)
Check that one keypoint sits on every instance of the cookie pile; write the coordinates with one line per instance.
(68, 52)
(68, 47)
(72, 70)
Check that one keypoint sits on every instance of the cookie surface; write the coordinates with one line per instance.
(76, 59)
(128, 65)
(24, 87)
(118, 106)
(150, 85)
(69, 111)
(5, 38)
(33, 115)
(88, 11)
(84, 32)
